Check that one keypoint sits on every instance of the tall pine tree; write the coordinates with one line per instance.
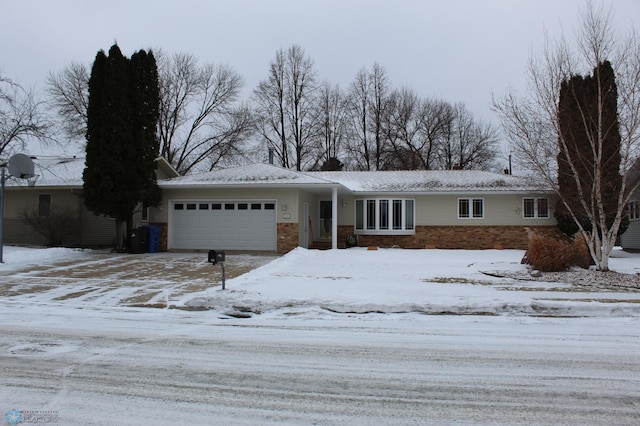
(121, 141)
(589, 155)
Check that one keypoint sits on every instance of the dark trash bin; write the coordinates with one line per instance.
(153, 245)
(138, 240)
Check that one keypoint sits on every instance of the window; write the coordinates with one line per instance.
(216, 206)
(229, 206)
(470, 208)
(269, 206)
(634, 210)
(178, 206)
(191, 206)
(384, 216)
(243, 206)
(256, 206)
(409, 212)
(203, 206)
(359, 214)
(144, 213)
(371, 214)
(535, 208)
(44, 205)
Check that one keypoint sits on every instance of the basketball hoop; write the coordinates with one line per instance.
(31, 180)
(20, 166)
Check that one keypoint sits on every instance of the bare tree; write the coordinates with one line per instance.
(301, 87)
(285, 108)
(271, 119)
(358, 146)
(68, 92)
(402, 129)
(331, 122)
(436, 121)
(201, 123)
(368, 101)
(379, 102)
(21, 118)
(469, 144)
(532, 124)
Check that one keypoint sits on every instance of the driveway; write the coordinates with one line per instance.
(107, 279)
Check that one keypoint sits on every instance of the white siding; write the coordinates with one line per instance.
(631, 238)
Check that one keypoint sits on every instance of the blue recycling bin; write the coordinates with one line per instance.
(153, 239)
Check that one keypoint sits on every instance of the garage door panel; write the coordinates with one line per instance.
(222, 224)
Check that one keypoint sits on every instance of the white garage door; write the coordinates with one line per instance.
(226, 225)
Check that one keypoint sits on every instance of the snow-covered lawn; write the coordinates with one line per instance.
(313, 283)
(314, 337)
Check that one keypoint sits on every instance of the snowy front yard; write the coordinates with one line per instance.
(313, 284)
(314, 337)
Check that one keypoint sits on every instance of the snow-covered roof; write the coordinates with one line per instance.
(67, 172)
(54, 171)
(415, 181)
(250, 175)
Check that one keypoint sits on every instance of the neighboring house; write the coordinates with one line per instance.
(265, 207)
(59, 188)
(630, 240)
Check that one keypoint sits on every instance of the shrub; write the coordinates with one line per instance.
(553, 254)
(59, 226)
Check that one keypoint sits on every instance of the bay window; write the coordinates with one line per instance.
(385, 216)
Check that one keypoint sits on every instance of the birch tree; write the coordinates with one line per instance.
(532, 125)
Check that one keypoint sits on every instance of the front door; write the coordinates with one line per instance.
(325, 220)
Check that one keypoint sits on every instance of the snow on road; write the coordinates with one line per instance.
(329, 338)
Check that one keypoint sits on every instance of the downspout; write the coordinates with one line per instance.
(334, 220)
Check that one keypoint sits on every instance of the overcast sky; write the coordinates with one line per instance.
(457, 50)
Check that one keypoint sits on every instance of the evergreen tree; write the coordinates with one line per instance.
(587, 112)
(145, 101)
(121, 142)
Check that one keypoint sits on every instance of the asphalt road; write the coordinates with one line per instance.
(447, 370)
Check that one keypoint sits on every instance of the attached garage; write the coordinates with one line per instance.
(222, 224)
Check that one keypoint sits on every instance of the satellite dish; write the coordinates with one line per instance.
(21, 166)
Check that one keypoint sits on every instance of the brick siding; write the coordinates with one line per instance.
(287, 237)
(458, 237)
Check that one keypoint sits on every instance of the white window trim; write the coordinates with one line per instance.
(390, 231)
(634, 210)
(471, 216)
(536, 212)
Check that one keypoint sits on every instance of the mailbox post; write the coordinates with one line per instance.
(218, 256)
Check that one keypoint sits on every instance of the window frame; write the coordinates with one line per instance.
(44, 208)
(634, 209)
(384, 216)
(535, 205)
(470, 210)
